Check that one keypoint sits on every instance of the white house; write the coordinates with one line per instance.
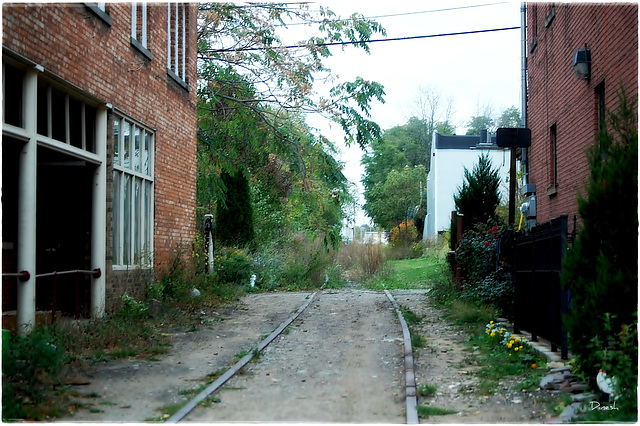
(450, 155)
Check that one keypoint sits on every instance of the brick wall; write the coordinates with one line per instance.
(73, 43)
(557, 96)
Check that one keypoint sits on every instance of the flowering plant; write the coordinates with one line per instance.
(515, 345)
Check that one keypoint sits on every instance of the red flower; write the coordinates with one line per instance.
(486, 243)
(495, 228)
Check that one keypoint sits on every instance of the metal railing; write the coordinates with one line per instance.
(25, 276)
(21, 276)
(95, 273)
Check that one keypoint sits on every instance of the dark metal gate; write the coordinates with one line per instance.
(540, 301)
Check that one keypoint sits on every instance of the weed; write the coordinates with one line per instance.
(427, 390)
(123, 353)
(418, 341)
(410, 317)
(428, 410)
(463, 312)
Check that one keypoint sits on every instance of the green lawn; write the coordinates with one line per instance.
(408, 274)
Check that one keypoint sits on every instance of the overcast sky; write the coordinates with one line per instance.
(476, 70)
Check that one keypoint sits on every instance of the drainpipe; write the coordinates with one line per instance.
(27, 172)
(523, 47)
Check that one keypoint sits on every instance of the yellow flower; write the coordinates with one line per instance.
(493, 334)
(520, 348)
(509, 354)
(517, 339)
(516, 348)
(490, 322)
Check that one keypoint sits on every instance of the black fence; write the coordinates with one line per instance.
(540, 301)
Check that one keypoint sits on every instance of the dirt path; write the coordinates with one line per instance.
(135, 390)
(339, 362)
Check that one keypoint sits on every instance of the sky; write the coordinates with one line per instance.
(476, 70)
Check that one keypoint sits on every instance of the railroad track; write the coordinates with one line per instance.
(303, 375)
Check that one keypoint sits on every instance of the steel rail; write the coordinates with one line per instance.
(193, 403)
(409, 372)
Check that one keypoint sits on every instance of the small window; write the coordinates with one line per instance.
(176, 42)
(101, 11)
(12, 86)
(65, 118)
(139, 32)
(553, 160)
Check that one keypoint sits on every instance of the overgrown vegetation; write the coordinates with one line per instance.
(485, 277)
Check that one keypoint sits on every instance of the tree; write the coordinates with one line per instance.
(246, 39)
(253, 91)
(600, 270)
(478, 123)
(398, 198)
(436, 113)
(510, 118)
(479, 196)
(234, 215)
(400, 146)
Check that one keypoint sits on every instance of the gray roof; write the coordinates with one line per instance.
(458, 141)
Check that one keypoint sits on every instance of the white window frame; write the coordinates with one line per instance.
(177, 42)
(140, 42)
(133, 216)
(134, 23)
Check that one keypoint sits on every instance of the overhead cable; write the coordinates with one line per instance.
(345, 43)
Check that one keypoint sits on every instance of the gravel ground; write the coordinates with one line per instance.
(341, 361)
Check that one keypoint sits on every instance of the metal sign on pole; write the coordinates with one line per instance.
(513, 138)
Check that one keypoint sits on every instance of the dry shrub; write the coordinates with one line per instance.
(361, 259)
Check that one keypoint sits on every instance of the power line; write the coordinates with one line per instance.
(393, 15)
(344, 43)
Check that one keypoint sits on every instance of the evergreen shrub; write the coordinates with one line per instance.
(600, 271)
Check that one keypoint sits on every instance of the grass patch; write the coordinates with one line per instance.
(120, 353)
(410, 317)
(418, 341)
(427, 390)
(462, 312)
(428, 410)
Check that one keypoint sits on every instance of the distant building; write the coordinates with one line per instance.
(98, 151)
(565, 111)
(450, 155)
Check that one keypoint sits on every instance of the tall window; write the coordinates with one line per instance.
(553, 160)
(139, 27)
(132, 194)
(176, 41)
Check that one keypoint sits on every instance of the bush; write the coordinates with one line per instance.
(403, 233)
(232, 265)
(485, 278)
(600, 271)
(29, 368)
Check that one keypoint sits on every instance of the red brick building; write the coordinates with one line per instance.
(564, 110)
(98, 150)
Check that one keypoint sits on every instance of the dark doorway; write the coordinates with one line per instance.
(10, 158)
(63, 231)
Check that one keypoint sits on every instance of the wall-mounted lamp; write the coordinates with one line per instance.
(582, 63)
